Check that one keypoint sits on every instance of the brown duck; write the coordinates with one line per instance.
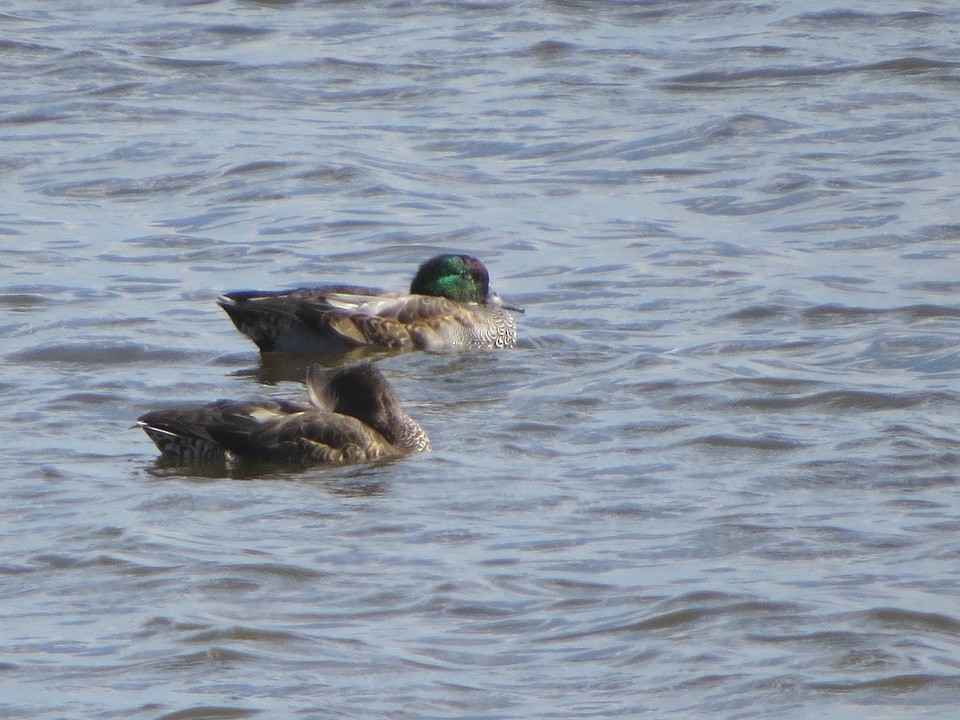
(351, 416)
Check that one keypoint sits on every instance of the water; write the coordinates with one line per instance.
(719, 476)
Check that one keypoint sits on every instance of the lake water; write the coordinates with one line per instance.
(719, 477)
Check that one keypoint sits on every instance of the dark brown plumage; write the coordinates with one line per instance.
(352, 416)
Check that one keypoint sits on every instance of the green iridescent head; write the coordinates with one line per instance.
(461, 278)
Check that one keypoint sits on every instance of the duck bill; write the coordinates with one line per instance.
(494, 299)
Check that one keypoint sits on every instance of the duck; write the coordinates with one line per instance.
(351, 416)
(450, 307)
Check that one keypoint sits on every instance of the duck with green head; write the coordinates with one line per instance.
(449, 307)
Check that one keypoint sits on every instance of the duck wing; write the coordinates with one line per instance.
(401, 322)
(276, 298)
(183, 431)
(306, 438)
(272, 319)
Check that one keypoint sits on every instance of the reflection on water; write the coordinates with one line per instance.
(715, 478)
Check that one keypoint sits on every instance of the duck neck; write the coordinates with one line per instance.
(403, 431)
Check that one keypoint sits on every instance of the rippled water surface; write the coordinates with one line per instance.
(719, 477)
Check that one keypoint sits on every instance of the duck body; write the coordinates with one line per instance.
(352, 416)
(449, 307)
(182, 433)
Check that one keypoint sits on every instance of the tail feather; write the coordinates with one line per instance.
(318, 388)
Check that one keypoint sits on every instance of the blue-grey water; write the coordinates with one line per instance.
(718, 478)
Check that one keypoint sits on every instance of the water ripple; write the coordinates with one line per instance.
(729, 80)
(100, 353)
